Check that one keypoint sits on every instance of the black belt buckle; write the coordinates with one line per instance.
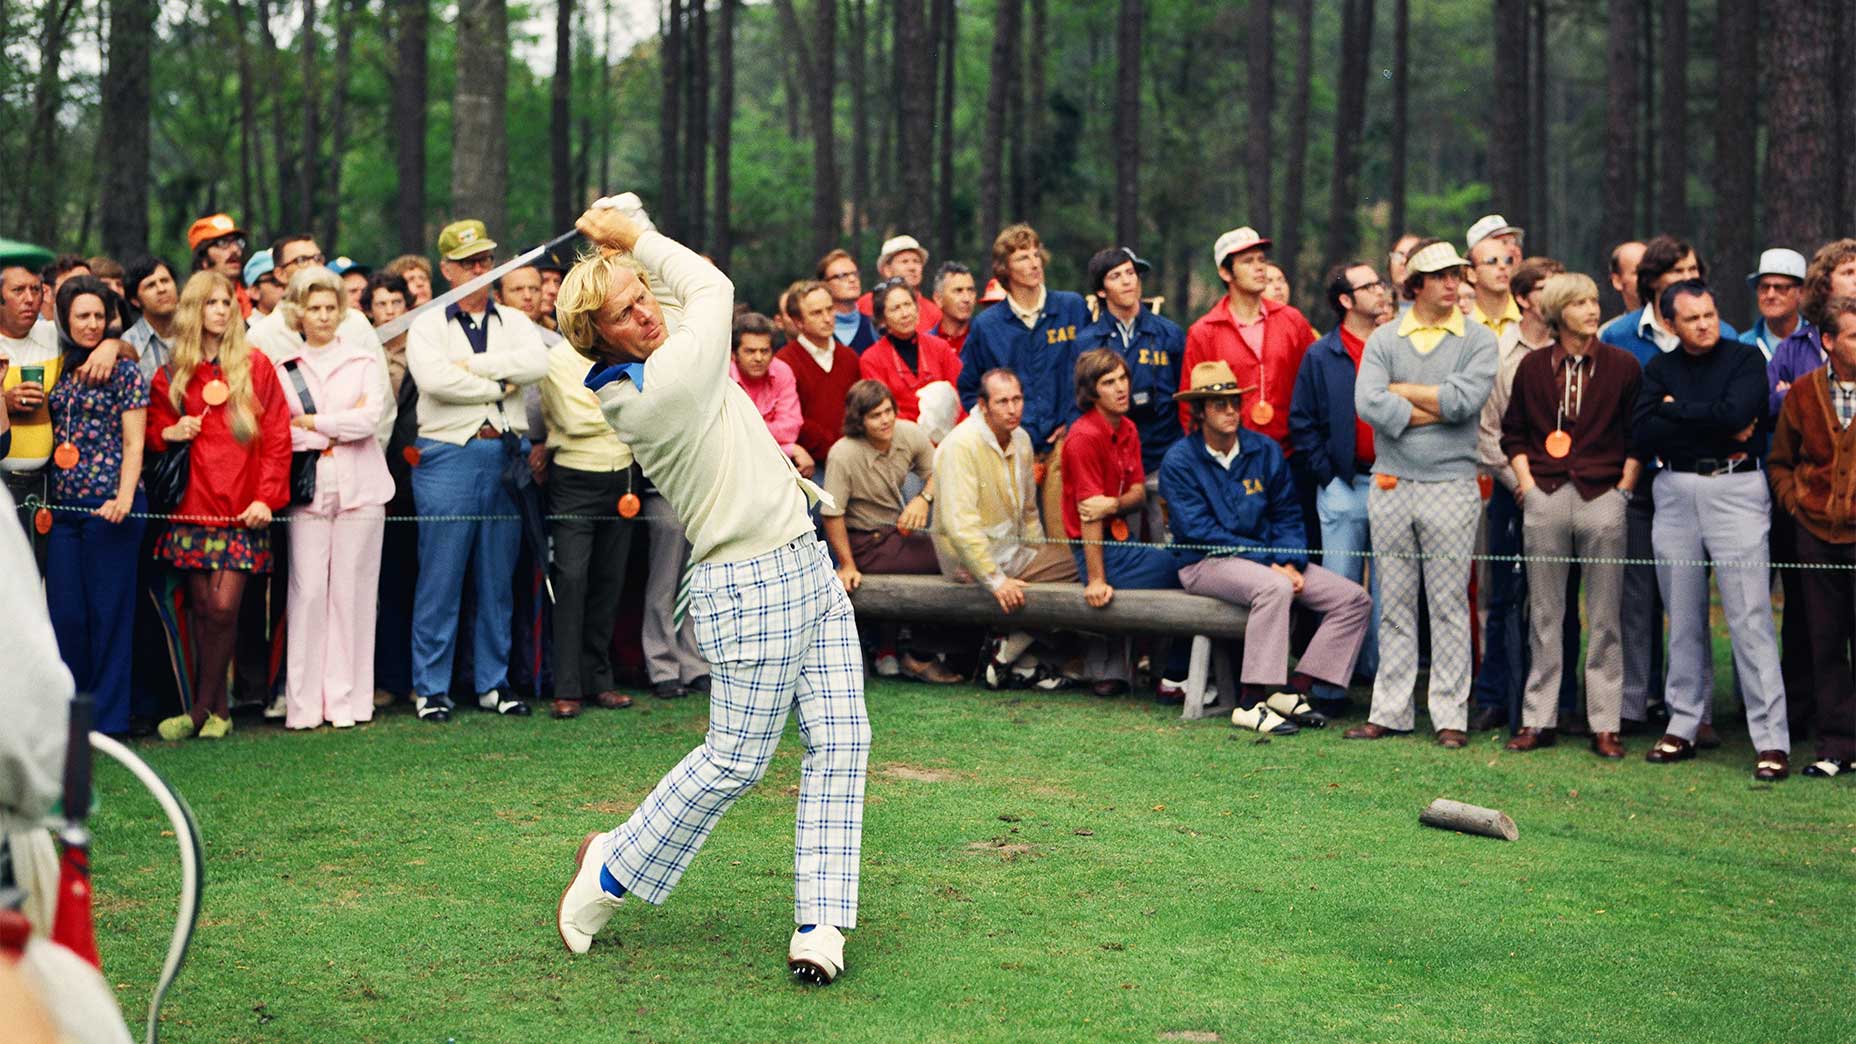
(1708, 467)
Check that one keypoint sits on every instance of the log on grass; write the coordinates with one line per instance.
(1469, 819)
(895, 596)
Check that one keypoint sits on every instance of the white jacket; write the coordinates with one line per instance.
(456, 400)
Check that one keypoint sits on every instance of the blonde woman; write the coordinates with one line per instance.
(220, 399)
(331, 386)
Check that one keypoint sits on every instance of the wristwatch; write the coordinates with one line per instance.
(927, 495)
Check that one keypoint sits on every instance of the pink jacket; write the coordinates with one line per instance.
(344, 381)
(777, 397)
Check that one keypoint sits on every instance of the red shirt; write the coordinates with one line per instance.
(1362, 431)
(224, 475)
(1286, 337)
(821, 394)
(880, 362)
(927, 313)
(1098, 462)
(958, 342)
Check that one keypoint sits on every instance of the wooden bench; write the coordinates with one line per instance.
(1210, 686)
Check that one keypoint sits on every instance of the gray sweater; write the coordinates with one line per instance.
(1463, 369)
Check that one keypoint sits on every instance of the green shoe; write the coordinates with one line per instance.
(216, 727)
(179, 727)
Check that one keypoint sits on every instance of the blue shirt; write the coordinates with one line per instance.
(1252, 503)
(1040, 355)
(1153, 356)
(853, 330)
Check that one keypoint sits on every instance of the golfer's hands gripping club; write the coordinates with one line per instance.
(615, 222)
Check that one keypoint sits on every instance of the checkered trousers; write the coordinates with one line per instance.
(779, 635)
(1437, 522)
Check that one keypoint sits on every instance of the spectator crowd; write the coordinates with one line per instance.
(250, 480)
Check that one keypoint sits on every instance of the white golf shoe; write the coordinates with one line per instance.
(816, 957)
(585, 906)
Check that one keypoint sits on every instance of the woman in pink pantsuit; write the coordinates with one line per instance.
(331, 386)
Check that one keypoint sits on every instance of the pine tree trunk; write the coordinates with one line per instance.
(1619, 220)
(1127, 132)
(1508, 136)
(1799, 167)
(479, 134)
(1646, 147)
(312, 120)
(860, 124)
(1034, 143)
(914, 60)
(560, 115)
(126, 104)
(41, 200)
(1736, 77)
(1259, 108)
(945, 39)
(1672, 118)
(722, 243)
(250, 167)
(408, 111)
(291, 212)
(696, 134)
(1539, 208)
(999, 93)
(1295, 174)
(1401, 118)
(819, 58)
(670, 124)
(338, 125)
(1350, 117)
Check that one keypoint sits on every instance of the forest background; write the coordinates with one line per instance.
(1330, 125)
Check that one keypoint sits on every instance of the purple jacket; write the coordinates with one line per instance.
(1797, 355)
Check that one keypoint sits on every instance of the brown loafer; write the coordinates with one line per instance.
(929, 671)
(1370, 730)
(1772, 766)
(1607, 745)
(612, 700)
(1530, 738)
(1670, 749)
(1452, 739)
(567, 708)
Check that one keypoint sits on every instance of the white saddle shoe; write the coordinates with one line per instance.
(816, 957)
(585, 906)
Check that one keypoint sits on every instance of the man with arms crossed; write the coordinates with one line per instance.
(770, 615)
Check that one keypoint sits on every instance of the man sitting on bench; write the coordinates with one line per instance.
(1230, 489)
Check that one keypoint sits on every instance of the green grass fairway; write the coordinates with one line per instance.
(1043, 868)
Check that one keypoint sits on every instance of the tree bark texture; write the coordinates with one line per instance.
(338, 122)
(948, 20)
(999, 93)
(1619, 222)
(1350, 117)
(291, 209)
(914, 60)
(126, 102)
(1259, 108)
(250, 167)
(1538, 205)
(1033, 141)
(722, 243)
(311, 149)
(1672, 119)
(696, 124)
(820, 59)
(1127, 132)
(1800, 170)
(860, 123)
(1469, 819)
(1295, 174)
(670, 124)
(38, 205)
(1736, 39)
(560, 116)
(479, 134)
(1508, 136)
(408, 111)
(1401, 113)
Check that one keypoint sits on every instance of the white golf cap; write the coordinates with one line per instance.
(1236, 241)
(1435, 258)
(897, 244)
(1779, 261)
(1492, 225)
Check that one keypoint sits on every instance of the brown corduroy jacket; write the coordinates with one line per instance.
(1812, 464)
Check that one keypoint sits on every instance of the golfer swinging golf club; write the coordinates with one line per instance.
(770, 615)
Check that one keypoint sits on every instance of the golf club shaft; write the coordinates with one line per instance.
(389, 331)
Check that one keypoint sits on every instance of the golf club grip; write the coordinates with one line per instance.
(77, 759)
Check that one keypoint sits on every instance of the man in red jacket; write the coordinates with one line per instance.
(823, 369)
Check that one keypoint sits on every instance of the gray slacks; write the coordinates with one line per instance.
(1723, 519)
(669, 653)
(1563, 524)
(1424, 533)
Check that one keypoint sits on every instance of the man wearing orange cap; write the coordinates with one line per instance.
(219, 244)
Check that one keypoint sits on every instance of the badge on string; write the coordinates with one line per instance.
(1262, 413)
(629, 505)
(42, 520)
(216, 392)
(1118, 528)
(1384, 481)
(1558, 444)
(65, 456)
(411, 456)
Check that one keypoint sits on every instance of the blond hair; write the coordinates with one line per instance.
(583, 293)
(1561, 290)
(308, 281)
(399, 265)
(234, 354)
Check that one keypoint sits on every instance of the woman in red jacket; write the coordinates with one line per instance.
(905, 359)
(222, 399)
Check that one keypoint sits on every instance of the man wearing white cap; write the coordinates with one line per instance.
(1494, 253)
(1778, 289)
(903, 256)
(1421, 386)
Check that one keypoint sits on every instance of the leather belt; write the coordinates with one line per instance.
(1708, 467)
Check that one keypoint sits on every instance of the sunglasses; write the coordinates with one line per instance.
(483, 262)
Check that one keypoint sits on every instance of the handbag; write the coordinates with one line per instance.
(166, 476)
(302, 462)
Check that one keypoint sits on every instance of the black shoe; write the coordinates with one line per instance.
(494, 700)
(700, 685)
(668, 690)
(435, 709)
(1828, 768)
(1488, 718)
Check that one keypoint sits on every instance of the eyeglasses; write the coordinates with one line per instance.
(841, 276)
(1378, 285)
(1777, 288)
(1500, 260)
(222, 241)
(301, 259)
(483, 261)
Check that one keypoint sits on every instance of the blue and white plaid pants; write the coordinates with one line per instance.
(778, 632)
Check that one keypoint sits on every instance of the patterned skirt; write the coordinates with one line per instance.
(213, 548)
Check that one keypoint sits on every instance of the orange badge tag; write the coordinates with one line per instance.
(65, 456)
(1118, 528)
(1037, 473)
(1484, 486)
(215, 393)
(1559, 444)
(42, 520)
(411, 456)
(1386, 481)
(1262, 413)
(628, 506)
